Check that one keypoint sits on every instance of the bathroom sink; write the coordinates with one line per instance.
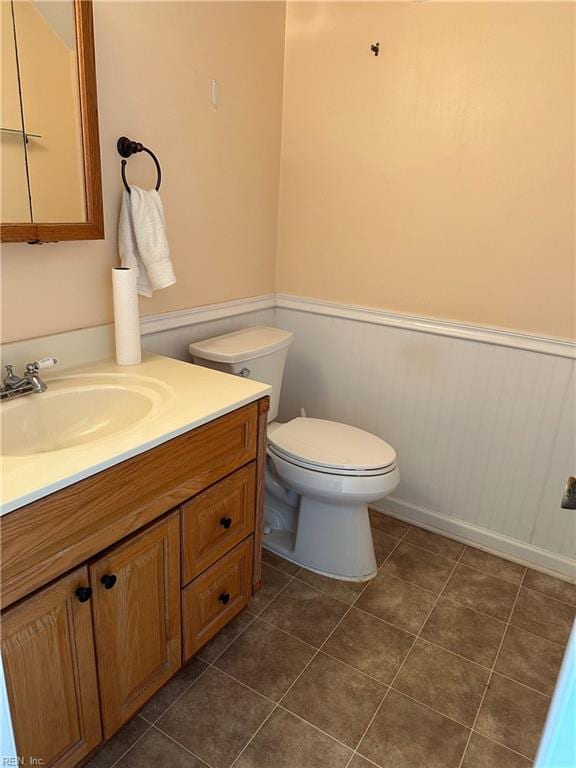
(78, 410)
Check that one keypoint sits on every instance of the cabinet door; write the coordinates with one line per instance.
(48, 656)
(136, 604)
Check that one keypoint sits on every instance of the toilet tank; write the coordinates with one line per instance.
(257, 353)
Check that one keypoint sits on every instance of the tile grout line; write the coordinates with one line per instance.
(153, 722)
(354, 751)
(445, 535)
(484, 551)
(242, 631)
(190, 752)
(417, 636)
(466, 565)
(149, 728)
(279, 570)
(366, 674)
(275, 707)
(548, 597)
(316, 649)
(464, 605)
(485, 691)
(394, 626)
(279, 705)
(518, 682)
(291, 578)
(306, 666)
(499, 744)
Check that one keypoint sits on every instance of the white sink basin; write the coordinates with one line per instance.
(77, 410)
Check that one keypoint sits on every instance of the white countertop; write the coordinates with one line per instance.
(193, 396)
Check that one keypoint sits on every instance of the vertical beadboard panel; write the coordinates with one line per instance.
(175, 341)
(484, 434)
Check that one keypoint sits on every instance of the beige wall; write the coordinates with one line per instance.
(155, 63)
(438, 178)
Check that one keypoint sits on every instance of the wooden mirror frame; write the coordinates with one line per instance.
(93, 227)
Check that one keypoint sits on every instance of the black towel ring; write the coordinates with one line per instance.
(126, 147)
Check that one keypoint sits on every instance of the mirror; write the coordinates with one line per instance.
(50, 178)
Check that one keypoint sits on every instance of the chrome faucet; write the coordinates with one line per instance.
(16, 386)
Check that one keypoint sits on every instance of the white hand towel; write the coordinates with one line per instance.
(128, 248)
(142, 240)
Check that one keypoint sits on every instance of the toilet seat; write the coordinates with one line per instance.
(329, 471)
(330, 447)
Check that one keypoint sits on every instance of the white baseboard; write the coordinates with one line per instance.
(490, 541)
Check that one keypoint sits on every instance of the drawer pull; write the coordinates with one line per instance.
(83, 594)
(108, 580)
(226, 522)
(224, 598)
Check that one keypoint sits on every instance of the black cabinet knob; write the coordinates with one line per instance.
(224, 598)
(83, 594)
(226, 522)
(108, 580)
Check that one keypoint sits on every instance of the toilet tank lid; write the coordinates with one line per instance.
(242, 345)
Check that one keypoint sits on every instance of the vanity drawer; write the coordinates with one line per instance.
(216, 520)
(215, 597)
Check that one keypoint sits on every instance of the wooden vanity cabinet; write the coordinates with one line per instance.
(142, 560)
(50, 668)
(126, 607)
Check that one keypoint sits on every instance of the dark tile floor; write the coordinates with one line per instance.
(447, 659)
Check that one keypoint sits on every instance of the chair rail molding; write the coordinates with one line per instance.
(502, 337)
(182, 317)
(548, 345)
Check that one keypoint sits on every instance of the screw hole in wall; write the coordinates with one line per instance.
(375, 48)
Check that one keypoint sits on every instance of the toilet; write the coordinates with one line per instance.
(320, 475)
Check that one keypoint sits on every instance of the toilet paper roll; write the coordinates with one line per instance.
(126, 317)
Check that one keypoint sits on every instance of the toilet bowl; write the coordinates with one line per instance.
(334, 471)
(320, 475)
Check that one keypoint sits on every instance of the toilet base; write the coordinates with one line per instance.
(333, 540)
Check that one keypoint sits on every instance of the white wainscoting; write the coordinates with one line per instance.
(484, 431)
(482, 419)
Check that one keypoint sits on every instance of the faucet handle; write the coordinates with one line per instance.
(10, 377)
(45, 362)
